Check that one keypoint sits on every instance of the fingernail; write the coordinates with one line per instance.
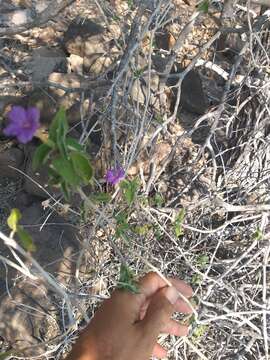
(171, 294)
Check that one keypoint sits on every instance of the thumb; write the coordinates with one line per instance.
(159, 311)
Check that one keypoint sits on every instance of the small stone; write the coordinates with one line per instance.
(11, 157)
(96, 64)
(192, 94)
(69, 81)
(45, 61)
(75, 64)
(164, 40)
(139, 91)
(77, 34)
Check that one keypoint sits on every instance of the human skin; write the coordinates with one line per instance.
(127, 325)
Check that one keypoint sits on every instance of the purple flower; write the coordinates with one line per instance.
(23, 123)
(113, 176)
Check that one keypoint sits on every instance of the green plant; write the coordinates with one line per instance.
(13, 223)
(202, 261)
(130, 189)
(158, 200)
(258, 235)
(127, 279)
(69, 164)
(203, 6)
(199, 332)
(178, 229)
(122, 226)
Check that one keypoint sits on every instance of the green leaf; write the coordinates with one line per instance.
(66, 170)
(158, 233)
(129, 189)
(40, 156)
(258, 235)
(143, 229)
(100, 197)
(73, 145)
(122, 226)
(158, 199)
(54, 177)
(58, 131)
(82, 166)
(203, 6)
(65, 190)
(7, 354)
(50, 143)
(178, 223)
(196, 279)
(13, 219)
(203, 261)
(25, 239)
(199, 332)
(59, 120)
(127, 280)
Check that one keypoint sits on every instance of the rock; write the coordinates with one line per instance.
(75, 64)
(11, 157)
(159, 63)
(230, 45)
(89, 41)
(164, 39)
(192, 94)
(97, 63)
(16, 17)
(77, 35)
(68, 81)
(140, 87)
(45, 61)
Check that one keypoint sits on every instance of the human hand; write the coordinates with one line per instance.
(127, 325)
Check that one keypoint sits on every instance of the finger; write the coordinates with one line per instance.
(182, 287)
(126, 305)
(173, 327)
(144, 308)
(159, 351)
(152, 282)
(183, 307)
(159, 312)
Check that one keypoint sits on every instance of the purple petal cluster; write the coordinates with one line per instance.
(23, 123)
(113, 176)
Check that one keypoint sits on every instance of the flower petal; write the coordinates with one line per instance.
(25, 136)
(109, 176)
(113, 176)
(33, 115)
(11, 130)
(120, 173)
(17, 115)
